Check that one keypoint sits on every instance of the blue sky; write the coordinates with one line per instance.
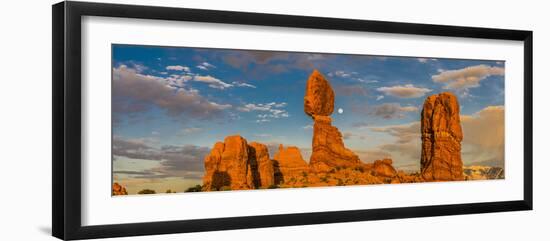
(171, 104)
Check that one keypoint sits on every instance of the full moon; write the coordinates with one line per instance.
(340, 111)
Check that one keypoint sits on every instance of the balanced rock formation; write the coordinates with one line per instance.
(118, 189)
(441, 138)
(328, 146)
(262, 166)
(288, 163)
(319, 97)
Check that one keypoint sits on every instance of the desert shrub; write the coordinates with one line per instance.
(272, 186)
(304, 174)
(324, 179)
(359, 169)
(225, 188)
(340, 182)
(196, 188)
(147, 191)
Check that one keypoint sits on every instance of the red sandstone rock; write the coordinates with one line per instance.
(441, 138)
(384, 168)
(262, 166)
(288, 163)
(228, 166)
(328, 147)
(319, 96)
(118, 189)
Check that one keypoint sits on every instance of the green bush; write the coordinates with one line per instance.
(147, 191)
(196, 188)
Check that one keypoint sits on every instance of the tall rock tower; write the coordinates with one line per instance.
(441, 139)
(327, 144)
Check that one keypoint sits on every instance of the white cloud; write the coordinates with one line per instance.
(379, 97)
(206, 66)
(341, 73)
(191, 130)
(484, 135)
(178, 68)
(404, 91)
(242, 84)
(274, 110)
(469, 77)
(425, 60)
(134, 92)
(308, 127)
(366, 81)
(212, 82)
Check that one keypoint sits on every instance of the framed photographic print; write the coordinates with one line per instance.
(170, 120)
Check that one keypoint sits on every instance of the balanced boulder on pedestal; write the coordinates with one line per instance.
(327, 144)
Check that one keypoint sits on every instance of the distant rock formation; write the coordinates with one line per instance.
(259, 159)
(236, 165)
(288, 163)
(384, 168)
(327, 144)
(118, 189)
(228, 165)
(483, 173)
(441, 138)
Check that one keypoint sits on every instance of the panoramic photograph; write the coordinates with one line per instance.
(191, 119)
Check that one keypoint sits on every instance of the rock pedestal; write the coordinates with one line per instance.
(327, 144)
(328, 147)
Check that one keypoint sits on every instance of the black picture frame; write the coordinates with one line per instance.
(66, 59)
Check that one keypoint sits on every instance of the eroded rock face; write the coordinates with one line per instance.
(236, 165)
(288, 164)
(212, 179)
(262, 166)
(441, 138)
(384, 168)
(118, 189)
(328, 147)
(319, 96)
(228, 166)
